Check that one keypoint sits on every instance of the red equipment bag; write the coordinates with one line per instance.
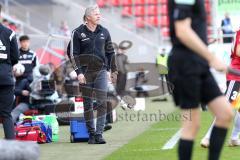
(31, 133)
(31, 112)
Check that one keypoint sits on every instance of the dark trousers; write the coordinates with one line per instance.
(121, 83)
(96, 87)
(6, 102)
(167, 82)
(227, 39)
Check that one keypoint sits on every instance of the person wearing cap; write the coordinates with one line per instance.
(44, 74)
(91, 53)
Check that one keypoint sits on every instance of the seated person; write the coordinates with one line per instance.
(140, 80)
(36, 95)
(22, 94)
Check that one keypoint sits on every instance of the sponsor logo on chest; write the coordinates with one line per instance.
(102, 36)
(25, 61)
(2, 47)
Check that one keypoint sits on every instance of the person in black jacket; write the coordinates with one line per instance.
(22, 90)
(9, 56)
(27, 58)
(22, 93)
(91, 53)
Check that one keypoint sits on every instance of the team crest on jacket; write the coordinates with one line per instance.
(2, 47)
(24, 56)
(83, 35)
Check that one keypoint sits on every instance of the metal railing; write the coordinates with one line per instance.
(26, 14)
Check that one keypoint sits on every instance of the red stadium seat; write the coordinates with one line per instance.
(164, 21)
(153, 21)
(139, 2)
(155, 2)
(102, 3)
(208, 7)
(140, 23)
(164, 9)
(152, 10)
(163, 1)
(139, 10)
(115, 3)
(165, 32)
(31, 112)
(209, 19)
(127, 11)
(127, 2)
(209, 31)
(207, 1)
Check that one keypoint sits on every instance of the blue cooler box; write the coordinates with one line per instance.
(78, 130)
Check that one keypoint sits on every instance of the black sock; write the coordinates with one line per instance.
(185, 148)
(216, 142)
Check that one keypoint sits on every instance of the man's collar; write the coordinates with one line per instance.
(96, 30)
(24, 50)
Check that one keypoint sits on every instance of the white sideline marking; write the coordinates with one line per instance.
(163, 129)
(173, 141)
(145, 150)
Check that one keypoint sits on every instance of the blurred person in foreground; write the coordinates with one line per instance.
(91, 53)
(189, 71)
(9, 56)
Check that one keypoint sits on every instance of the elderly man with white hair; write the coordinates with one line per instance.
(91, 53)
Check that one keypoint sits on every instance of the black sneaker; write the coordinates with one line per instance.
(107, 127)
(91, 139)
(99, 139)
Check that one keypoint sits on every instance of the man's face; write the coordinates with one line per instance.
(95, 17)
(25, 44)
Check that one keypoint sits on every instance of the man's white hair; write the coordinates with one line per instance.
(89, 10)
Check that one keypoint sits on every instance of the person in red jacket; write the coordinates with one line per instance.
(232, 92)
